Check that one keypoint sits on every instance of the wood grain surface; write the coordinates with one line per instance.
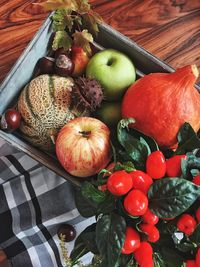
(170, 29)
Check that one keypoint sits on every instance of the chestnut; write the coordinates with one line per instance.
(46, 65)
(63, 65)
(10, 120)
(68, 231)
(63, 51)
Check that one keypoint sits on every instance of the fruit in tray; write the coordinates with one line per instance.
(114, 71)
(83, 146)
(48, 102)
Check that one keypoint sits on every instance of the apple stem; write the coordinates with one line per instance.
(85, 134)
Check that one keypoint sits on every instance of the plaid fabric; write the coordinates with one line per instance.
(34, 202)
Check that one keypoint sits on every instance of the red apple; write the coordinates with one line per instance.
(80, 60)
(83, 146)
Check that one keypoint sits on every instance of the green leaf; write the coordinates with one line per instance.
(169, 197)
(84, 206)
(90, 192)
(61, 40)
(185, 246)
(195, 237)
(171, 257)
(126, 260)
(88, 208)
(110, 235)
(137, 145)
(137, 151)
(157, 260)
(84, 243)
(187, 140)
(61, 20)
(190, 166)
(127, 166)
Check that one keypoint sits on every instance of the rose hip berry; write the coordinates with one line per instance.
(191, 263)
(68, 231)
(136, 203)
(150, 218)
(156, 165)
(198, 258)
(132, 241)
(198, 215)
(119, 183)
(141, 180)
(151, 231)
(173, 165)
(186, 224)
(144, 255)
(196, 179)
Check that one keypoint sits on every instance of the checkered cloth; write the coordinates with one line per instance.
(34, 201)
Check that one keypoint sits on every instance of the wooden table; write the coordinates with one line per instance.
(168, 29)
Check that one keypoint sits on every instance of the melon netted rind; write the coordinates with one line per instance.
(45, 107)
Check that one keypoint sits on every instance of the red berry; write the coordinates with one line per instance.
(141, 180)
(186, 224)
(173, 166)
(144, 255)
(196, 179)
(151, 231)
(198, 258)
(198, 215)
(156, 165)
(136, 203)
(132, 241)
(150, 218)
(191, 263)
(119, 183)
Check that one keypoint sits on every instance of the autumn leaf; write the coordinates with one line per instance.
(62, 40)
(81, 6)
(91, 20)
(51, 5)
(83, 39)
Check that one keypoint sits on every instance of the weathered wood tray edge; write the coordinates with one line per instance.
(108, 37)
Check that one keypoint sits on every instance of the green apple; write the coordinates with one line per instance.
(109, 112)
(113, 70)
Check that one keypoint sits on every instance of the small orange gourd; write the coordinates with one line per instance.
(161, 102)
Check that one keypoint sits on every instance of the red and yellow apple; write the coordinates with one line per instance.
(83, 146)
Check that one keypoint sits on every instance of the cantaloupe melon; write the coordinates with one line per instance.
(45, 105)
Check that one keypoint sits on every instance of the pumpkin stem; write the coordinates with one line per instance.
(195, 70)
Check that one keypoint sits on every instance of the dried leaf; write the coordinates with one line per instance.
(51, 5)
(83, 39)
(81, 6)
(91, 20)
(62, 40)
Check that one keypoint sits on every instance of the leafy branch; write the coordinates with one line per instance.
(71, 16)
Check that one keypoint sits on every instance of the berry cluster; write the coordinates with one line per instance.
(133, 187)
